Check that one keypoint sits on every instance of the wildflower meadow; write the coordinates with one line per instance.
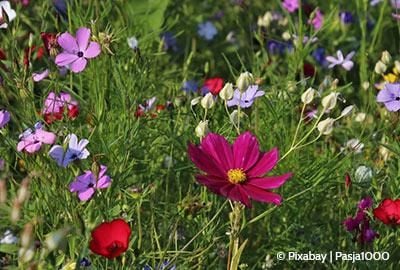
(235, 134)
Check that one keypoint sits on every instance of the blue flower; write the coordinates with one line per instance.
(190, 86)
(346, 17)
(169, 41)
(319, 56)
(207, 30)
(276, 47)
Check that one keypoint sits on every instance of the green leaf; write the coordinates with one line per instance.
(150, 13)
(8, 248)
(236, 256)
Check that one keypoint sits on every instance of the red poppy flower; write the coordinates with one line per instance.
(214, 85)
(110, 239)
(388, 212)
(50, 42)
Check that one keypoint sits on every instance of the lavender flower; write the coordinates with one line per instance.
(346, 17)
(247, 98)
(207, 30)
(390, 96)
(76, 150)
(190, 86)
(169, 41)
(4, 118)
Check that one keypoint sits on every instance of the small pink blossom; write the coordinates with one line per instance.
(317, 20)
(32, 140)
(290, 5)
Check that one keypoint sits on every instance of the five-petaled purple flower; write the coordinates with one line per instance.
(76, 150)
(85, 185)
(245, 99)
(390, 96)
(76, 50)
(4, 118)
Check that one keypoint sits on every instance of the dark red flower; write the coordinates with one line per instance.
(110, 239)
(388, 212)
(347, 181)
(213, 85)
(50, 43)
(308, 70)
(2, 55)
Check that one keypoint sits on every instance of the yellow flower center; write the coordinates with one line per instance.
(236, 176)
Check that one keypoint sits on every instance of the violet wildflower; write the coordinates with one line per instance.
(317, 20)
(169, 41)
(390, 96)
(207, 30)
(61, 7)
(4, 118)
(190, 86)
(85, 185)
(290, 5)
(346, 17)
(346, 62)
(76, 50)
(76, 150)
(31, 140)
(359, 224)
(84, 262)
(9, 15)
(247, 98)
(276, 47)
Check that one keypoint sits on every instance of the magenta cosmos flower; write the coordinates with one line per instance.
(76, 50)
(237, 171)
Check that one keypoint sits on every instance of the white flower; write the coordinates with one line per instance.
(9, 16)
(380, 67)
(386, 58)
(8, 238)
(360, 117)
(226, 93)
(354, 145)
(133, 43)
(363, 174)
(207, 102)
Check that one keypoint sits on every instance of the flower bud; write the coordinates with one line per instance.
(202, 129)
(226, 93)
(265, 20)
(244, 80)
(207, 102)
(26, 254)
(54, 239)
(325, 127)
(15, 211)
(23, 192)
(360, 117)
(346, 111)
(195, 101)
(26, 236)
(286, 35)
(365, 85)
(308, 96)
(329, 102)
(386, 58)
(3, 191)
(234, 116)
(397, 66)
(380, 67)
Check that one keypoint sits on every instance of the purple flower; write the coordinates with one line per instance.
(318, 19)
(346, 63)
(4, 118)
(37, 77)
(319, 56)
(76, 150)
(61, 7)
(346, 17)
(207, 30)
(245, 99)
(390, 96)
(31, 140)
(85, 185)
(76, 50)
(190, 86)
(290, 5)
(276, 47)
(375, 2)
(395, 4)
(169, 41)
(359, 225)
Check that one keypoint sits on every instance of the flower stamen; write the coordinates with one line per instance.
(236, 176)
